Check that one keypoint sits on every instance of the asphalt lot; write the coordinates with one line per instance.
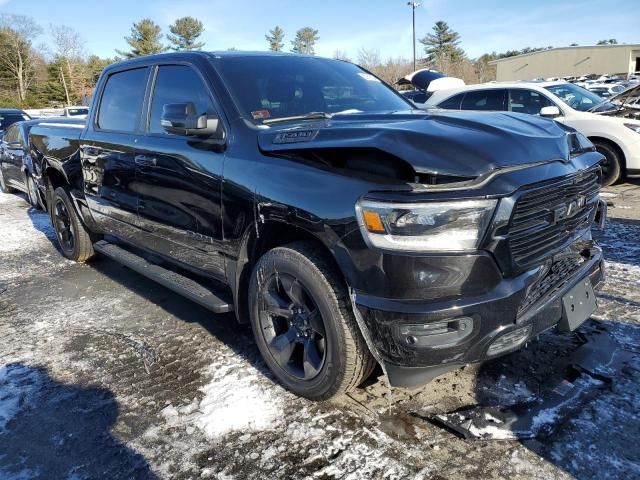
(104, 374)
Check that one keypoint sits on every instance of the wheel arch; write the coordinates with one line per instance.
(264, 236)
(613, 144)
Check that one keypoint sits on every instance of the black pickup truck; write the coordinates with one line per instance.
(312, 200)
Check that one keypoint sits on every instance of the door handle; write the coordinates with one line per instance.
(145, 161)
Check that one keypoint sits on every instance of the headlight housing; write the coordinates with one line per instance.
(457, 225)
(633, 126)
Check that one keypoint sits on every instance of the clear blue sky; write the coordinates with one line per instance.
(384, 25)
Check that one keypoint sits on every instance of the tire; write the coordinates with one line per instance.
(612, 165)
(32, 192)
(74, 239)
(4, 188)
(286, 284)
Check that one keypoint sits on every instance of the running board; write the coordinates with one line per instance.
(168, 278)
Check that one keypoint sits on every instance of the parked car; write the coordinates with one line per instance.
(76, 112)
(312, 200)
(17, 171)
(9, 116)
(426, 81)
(615, 136)
(606, 90)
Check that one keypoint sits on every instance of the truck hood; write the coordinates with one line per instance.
(623, 105)
(465, 144)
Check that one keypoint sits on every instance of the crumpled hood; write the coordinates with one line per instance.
(449, 143)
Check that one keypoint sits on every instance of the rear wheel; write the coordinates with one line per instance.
(74, 239)
(612, 164)
(3, 186)
(303, 323)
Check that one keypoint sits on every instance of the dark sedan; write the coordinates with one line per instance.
(9, 116)
(17, 171)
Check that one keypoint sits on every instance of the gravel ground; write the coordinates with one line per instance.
(104, 374)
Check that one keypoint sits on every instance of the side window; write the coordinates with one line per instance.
(452, 103)
(177, 84)
(527, 101)
(492, 100)
(10, 135)
(122, 99)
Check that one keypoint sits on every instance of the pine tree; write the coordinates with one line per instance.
(442, 44)
(275, 37)
(144, 40)
(185, 32)
(305, 41)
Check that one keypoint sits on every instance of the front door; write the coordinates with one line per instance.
(108, 154)
(178, 178)
(12, 156)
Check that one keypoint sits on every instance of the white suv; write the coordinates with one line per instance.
(618, 139)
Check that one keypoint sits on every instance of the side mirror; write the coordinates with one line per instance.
(550, 112)
(182, 119)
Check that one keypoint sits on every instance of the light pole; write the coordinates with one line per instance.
(413, 6)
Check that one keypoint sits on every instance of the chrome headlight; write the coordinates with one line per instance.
(425, 227)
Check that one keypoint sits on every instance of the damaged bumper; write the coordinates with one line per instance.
(419, 340)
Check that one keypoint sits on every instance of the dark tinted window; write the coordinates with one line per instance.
(283, 86)
(122, 100)
(177, 84)
(484, 100)
(7, 119)
(452, 103)
(527, 101)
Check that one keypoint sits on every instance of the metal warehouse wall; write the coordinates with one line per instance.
(559, 62)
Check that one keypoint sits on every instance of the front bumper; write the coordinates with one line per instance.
(418, 340)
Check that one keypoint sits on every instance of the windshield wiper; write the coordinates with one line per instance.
(306, 116)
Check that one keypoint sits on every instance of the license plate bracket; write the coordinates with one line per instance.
(577, 305)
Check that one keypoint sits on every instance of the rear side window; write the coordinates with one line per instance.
(492, 100)
(12, 134)
(527, 101)
(452, 103)
(8, 119)
(122, 99)
(177, 84)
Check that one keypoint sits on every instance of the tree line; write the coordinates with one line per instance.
(65, 74)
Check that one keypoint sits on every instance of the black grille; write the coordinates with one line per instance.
(549, 215)
(556, 277)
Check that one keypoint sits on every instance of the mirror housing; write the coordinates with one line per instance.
(550, 112)
(182, 119)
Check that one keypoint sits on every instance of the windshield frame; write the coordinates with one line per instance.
(216, 60)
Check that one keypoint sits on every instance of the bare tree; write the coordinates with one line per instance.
(17, 56)
(369, 59)
(70, 54)
(341, 55)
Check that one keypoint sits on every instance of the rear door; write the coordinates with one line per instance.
(108, 151)
(12, 155)
(179, 177)
(485, 99)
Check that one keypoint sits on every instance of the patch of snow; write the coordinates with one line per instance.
(237, 400)
(492, 431)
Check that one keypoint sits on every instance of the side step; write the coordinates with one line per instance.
(168, 278)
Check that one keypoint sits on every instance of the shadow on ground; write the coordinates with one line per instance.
(55, 430)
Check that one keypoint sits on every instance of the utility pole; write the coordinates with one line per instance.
(413, 6)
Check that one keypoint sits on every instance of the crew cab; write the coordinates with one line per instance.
(316, 203)
(613, 132)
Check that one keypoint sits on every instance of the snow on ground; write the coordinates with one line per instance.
(105, 373)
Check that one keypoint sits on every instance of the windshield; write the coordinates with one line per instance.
(73, 112)
(271, 87)
(8, 119)
(579, 98)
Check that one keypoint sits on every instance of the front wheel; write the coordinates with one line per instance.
(612, 164)
(4, 188)
(303, 323)
(32, 192)
(74, 239)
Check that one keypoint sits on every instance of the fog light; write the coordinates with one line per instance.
(437, 334)
(509, 341)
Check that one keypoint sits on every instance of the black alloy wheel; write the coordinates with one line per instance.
(292, 326)
(63, 226)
